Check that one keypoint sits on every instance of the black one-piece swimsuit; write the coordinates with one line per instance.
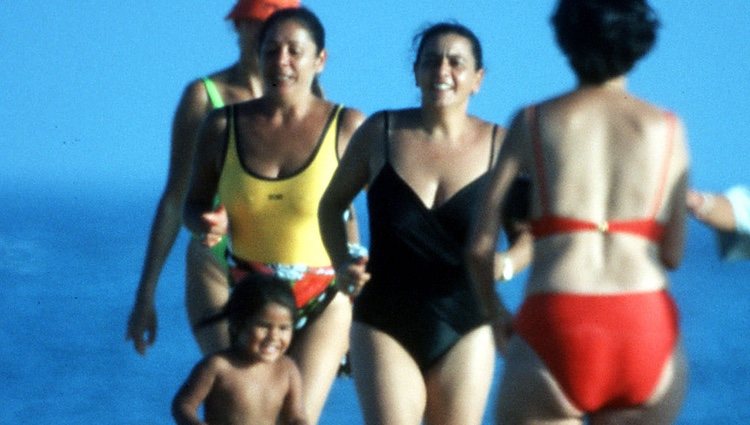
(420, 292)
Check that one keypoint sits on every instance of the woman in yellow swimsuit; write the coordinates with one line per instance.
(207, 289)
(269, 160)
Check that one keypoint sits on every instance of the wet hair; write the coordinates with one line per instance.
(443, 28)
(302, 16)
(248, 299)
(604, 38)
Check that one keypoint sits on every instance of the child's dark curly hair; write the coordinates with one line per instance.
(248, 299)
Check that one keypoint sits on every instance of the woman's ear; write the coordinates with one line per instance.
(321, 61)
(478, 81)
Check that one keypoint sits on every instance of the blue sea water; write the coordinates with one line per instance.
(70, 258)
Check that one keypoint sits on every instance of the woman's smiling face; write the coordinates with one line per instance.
(446, 70)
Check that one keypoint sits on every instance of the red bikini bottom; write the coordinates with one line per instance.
(605, 351)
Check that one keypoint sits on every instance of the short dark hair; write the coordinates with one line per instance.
(302, 16)
(450, 27)
(252, 294)
(604, 38)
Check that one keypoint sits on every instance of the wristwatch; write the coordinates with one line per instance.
(506, 272)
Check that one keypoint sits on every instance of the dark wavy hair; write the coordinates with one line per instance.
(442, 28)
(249, 297)
(604, 38)
(301, 15)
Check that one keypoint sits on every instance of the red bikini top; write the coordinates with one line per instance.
(549, 224)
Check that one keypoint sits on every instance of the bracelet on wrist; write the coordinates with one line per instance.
(506, 271)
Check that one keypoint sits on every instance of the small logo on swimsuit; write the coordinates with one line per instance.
(275, 197)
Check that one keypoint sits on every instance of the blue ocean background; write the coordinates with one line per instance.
(71, 258)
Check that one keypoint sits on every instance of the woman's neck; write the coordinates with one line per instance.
(444, 123)
(245, 73)
(287, 107)
(619, 83)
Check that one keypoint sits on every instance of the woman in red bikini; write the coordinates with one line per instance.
(597, 335)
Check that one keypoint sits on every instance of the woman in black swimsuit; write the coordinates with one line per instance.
(421, 347)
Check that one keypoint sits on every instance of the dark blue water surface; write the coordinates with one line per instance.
(70, 258)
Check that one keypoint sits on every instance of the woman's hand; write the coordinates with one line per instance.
(217, 223)
(142, 326)
(352, 276)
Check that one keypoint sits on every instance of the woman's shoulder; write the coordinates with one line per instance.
(350, 118)
(219, 77)
(197, 86)
(484, 125)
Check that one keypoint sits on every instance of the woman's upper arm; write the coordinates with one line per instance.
(191, 110)
(350, 121)
(489, 218)
(672, 245)
(354, 169)
(208, 159)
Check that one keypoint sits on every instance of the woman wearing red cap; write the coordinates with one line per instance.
(270, 160)
(206, 283)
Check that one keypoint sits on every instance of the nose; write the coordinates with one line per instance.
(282, 56)
(443, 66)
(273, 333)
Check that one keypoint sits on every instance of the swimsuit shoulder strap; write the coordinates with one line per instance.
(337, 114)
(532, 121)
(213, 93)
(387, 136)
(495, 129)
(230, 124)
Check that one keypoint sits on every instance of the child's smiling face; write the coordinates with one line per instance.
(267, 335)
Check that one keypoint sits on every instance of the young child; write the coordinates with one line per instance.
(252, 382)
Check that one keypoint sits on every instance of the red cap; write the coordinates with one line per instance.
(258, 9)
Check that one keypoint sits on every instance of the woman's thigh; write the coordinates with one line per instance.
(529, 394)
(318, 351)
(206, 293)
(389, 384)
(459, 384)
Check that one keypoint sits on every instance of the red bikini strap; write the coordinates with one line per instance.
(671, 122)
(532, 121)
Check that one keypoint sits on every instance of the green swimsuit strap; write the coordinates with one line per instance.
(213, 93)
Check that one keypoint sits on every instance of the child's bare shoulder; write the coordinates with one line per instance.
(287, 367)
(287, 363)
(216, 362)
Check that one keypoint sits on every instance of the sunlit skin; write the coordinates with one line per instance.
(251, 383)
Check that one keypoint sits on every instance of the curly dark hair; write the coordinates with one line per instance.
(604, 38)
